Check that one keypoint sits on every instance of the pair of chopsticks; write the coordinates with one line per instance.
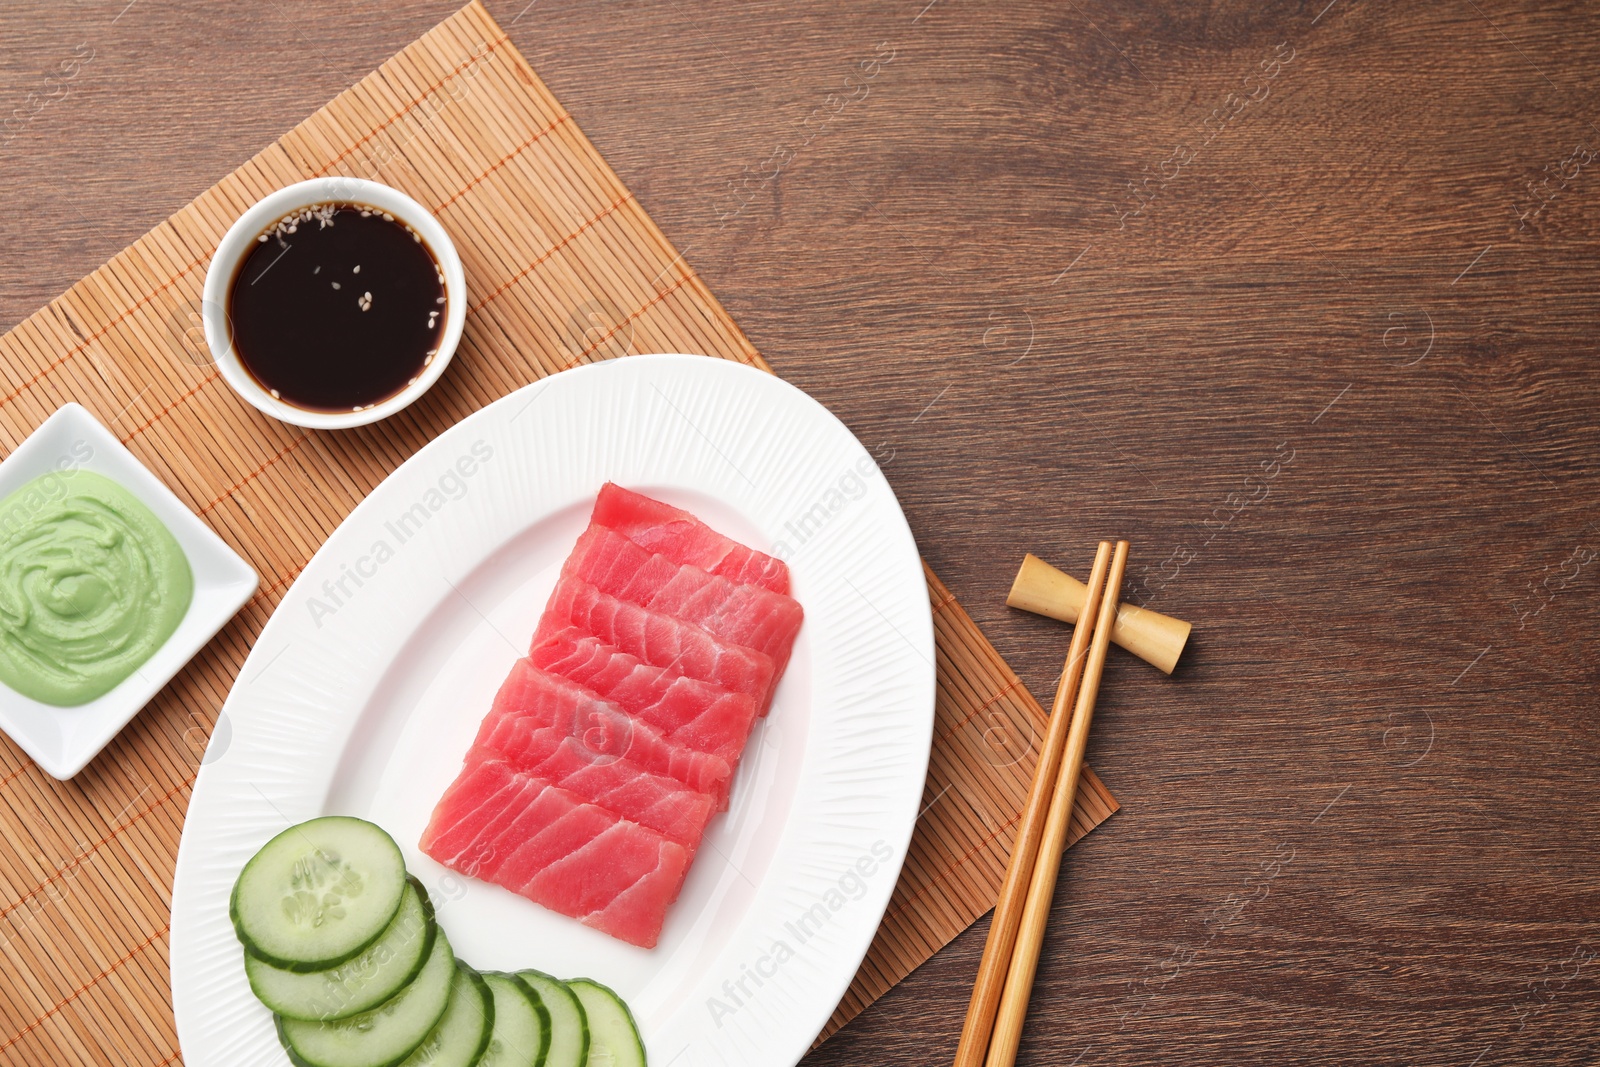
(999, 1003)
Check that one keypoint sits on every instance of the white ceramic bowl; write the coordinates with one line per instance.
(241, 238)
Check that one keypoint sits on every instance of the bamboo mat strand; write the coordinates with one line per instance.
(564, 268)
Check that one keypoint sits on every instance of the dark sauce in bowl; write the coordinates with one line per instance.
(337, 307)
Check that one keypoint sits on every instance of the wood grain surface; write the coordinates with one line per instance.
(1298, 298)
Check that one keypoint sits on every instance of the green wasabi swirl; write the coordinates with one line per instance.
(91, 584)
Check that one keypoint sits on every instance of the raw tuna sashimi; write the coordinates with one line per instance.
(615, 783)
(745, 615)
(688, 711)
(543, 842)
(615, 740)
(682, 538)
(657, 639)
(533, 699)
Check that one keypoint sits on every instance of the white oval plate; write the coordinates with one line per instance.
(368, 683)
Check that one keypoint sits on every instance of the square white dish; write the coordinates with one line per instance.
(63, 740)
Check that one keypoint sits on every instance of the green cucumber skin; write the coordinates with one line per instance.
(304, 966)
(298, 1061)
(431, 931)
(536, 1002)
(583, 1018)
(283, 1039)
(627, 1012)
(301, 1060)
(485, 1014)
(488, 1014)
(544, 1018)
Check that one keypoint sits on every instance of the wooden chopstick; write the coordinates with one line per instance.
(1041, 890)
(1008, 910)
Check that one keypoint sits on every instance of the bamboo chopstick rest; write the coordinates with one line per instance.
(1153, 637)
(1008, 909)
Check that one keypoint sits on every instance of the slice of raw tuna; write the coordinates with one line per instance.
(687, 711)
(474, 811)
(617, 784)
(738, 614)
(491, 812)
(657, 639)
(625, 861)
(532, 699)
(572, 857)
(682, 538)
(613, 743)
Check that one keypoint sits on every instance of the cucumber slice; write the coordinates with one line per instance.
(613, 1037)
(569, 1027)
(357, 984)
(318, 894)
(461, 1036)
(521, 1035)
(386, 1035)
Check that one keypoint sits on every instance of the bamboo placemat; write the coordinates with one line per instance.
(565, 268)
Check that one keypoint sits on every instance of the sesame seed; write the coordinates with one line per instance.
(336, 285)
(357, 269)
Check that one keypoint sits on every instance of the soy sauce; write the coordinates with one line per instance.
(337, 307)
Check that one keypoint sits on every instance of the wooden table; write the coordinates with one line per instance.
(1299, 298)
